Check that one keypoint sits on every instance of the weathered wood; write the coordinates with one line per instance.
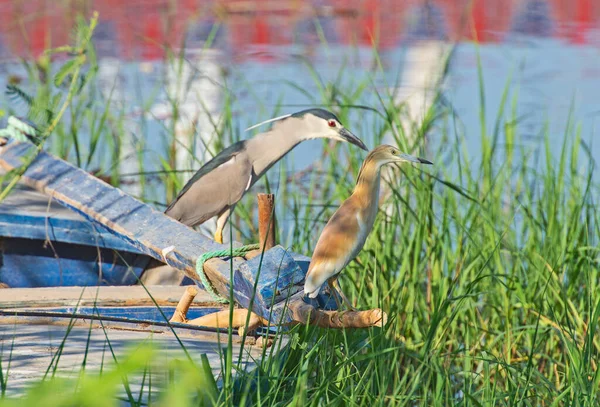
(51, 263)
(280, 274)
(180, 314)
(44, 244)
(277, 273)
(254, 322)
(219, 272)
(238, 319)
(308, 315)
(145, 228)
(266, 220)
(253, 253)
(34, 346)
(281, 314)
(101, 296)
(220, 319)
(28, 214)
(302, 313)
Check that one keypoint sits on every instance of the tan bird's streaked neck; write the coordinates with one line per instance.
(367, 183)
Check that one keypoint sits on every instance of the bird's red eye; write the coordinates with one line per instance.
(331, 123)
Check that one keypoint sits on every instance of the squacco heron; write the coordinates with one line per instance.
(346, 232)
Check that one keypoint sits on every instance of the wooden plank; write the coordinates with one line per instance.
(24, 200)
(284, 312)
(28, 214)
(33, 346)
(40, 263)
(100, 296)
(277, 273)
(219, 272)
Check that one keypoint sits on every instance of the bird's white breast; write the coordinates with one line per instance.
(363, 229)
(363, 232)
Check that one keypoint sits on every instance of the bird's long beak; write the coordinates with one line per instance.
(413, 159)
(351, 138)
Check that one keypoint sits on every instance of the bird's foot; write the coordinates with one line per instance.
(351, 308)
(219, 236)
(347, 302)
(338, 303)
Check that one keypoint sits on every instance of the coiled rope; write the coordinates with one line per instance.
(19, 130)
(240, 251)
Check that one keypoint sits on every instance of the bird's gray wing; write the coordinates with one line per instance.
(215, 162)
(219, 184)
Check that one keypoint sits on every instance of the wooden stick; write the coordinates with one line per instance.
(240, 315)
(180, 314)
(266, 220)
(221, 320)
(307, 314)
(302, 313)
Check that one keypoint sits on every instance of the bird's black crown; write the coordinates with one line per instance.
(322, 113)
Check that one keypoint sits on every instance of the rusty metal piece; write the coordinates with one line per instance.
(266, 220)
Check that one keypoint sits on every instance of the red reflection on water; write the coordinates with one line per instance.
(143, 30)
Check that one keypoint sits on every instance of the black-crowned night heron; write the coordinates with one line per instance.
(222, 182)
(346, 232)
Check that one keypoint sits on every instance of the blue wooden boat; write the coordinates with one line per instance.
(45, 244)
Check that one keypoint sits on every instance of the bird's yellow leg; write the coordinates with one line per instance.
(337, 288)
(221, 221)
(219, 236)
(334, 292)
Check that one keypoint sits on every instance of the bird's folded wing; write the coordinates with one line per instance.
(336, 246)
(222, 158)
(213, 193)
